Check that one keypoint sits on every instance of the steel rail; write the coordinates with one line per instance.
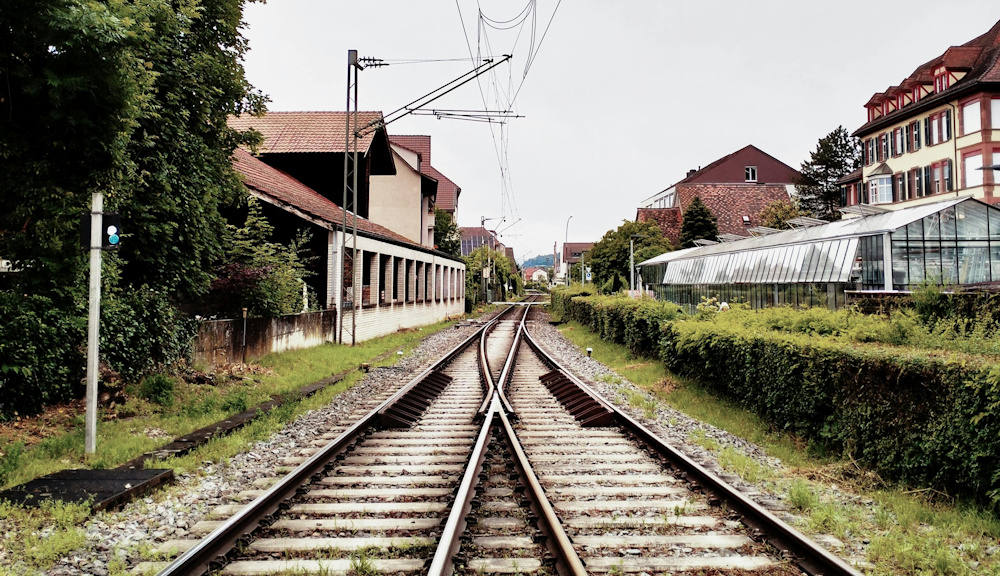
(794, 545)
(568, 562)
(508, 367)
(210, 552)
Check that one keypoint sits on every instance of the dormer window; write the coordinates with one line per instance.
(917, 91)
(900, 101)
(941, 81)
(751, 173)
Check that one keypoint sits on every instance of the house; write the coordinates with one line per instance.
(309, 146)
(735, 188)
(573, 251)
(536, 274)
(391, 282)
(406, 201)
(474, 237)
(934, 132)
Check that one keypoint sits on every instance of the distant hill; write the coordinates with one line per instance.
(538, 262)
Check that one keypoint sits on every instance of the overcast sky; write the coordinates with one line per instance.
(621, 98)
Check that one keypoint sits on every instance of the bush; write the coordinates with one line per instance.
(839, 379)
(158, 389)
(141, 332)
(41, 354)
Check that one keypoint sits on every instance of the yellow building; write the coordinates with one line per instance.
(931, 136)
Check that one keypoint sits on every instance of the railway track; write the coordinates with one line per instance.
(496, 460)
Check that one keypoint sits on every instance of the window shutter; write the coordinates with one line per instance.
(916, 135)
(927, 131)
(908, 138)
(947, 175)
(927, 180)
(947, 126)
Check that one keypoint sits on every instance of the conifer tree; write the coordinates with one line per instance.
(698, 223)
(836, 155)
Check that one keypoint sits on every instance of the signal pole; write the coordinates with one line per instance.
(93, 321)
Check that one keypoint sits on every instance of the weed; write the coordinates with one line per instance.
(159, 389)
(743, 466)
(801, 496)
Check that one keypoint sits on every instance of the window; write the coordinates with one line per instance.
(971, 121)
(870, 151)
(880, 190)
(900, 100)
(883, 147)
(938, 177)
(937, 128)
(751, 173)
(915, 131)
(941, 81)
(916, 93)
(902, 189)
(972, 170)
(995, 113)
(898, 145)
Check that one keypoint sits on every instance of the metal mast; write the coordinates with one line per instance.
(348, 297)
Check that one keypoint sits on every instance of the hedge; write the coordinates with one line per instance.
(919, 417)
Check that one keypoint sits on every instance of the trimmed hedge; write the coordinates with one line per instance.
(633, 323)
(921, 417)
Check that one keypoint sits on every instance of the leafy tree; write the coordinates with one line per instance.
(182, 148)
(609, 258)
(777, 214)
(446, 235)
(258, 274)
(503, 276)
(836, 155)
(71, 88)
(698, 222)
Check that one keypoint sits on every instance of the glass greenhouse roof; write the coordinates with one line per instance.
(822, 253)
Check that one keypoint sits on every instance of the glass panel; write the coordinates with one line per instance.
(850, 257)
(770, 263)
(837, 262)
(994, 218)
(995, 262)
(900, 276)
(814, 262)
(932, 263)
(915, 263)
(971, 221)
(932, 226)
(948, 223)
(784, 264)
(826, 261)
(915, 230)
(973, 262)
(949, 264)
(751, 264)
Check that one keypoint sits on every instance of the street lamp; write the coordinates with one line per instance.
(566, 239)
(631, 261)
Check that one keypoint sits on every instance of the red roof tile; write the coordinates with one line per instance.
(290, 132)
(448, 191)
(288, 191)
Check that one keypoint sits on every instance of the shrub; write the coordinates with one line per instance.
(158, 388)
(41, 354)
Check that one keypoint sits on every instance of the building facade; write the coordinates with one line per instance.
(933, 133)
(736, 188)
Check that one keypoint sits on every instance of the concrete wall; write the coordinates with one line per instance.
(221, 341)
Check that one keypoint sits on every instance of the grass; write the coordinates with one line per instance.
(38, 537)
(907, 532)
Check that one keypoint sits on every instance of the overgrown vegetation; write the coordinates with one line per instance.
(908, 532)
(860, 385)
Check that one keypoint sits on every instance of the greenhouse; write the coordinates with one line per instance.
(952, 242)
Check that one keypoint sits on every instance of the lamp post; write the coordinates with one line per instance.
(631, 261)
(566, 239)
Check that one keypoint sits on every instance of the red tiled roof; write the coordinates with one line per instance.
(287, 191)
(750, 153)
(979, 56)
(731, 202)
(292, 132)
(448, 191)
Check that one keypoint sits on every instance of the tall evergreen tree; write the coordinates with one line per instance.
(836, 155)
(698, 222)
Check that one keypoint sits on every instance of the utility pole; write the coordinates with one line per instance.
(565, 240)
(94, 321)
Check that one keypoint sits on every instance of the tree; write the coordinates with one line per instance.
(71, 86)
(502, 271)
(698, 223)
(777, 214)
(836, 155)
(609, 258)
(446, 235)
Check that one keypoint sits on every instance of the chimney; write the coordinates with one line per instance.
(690, 172)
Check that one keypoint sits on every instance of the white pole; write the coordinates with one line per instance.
(93, 321)
(631, 266)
